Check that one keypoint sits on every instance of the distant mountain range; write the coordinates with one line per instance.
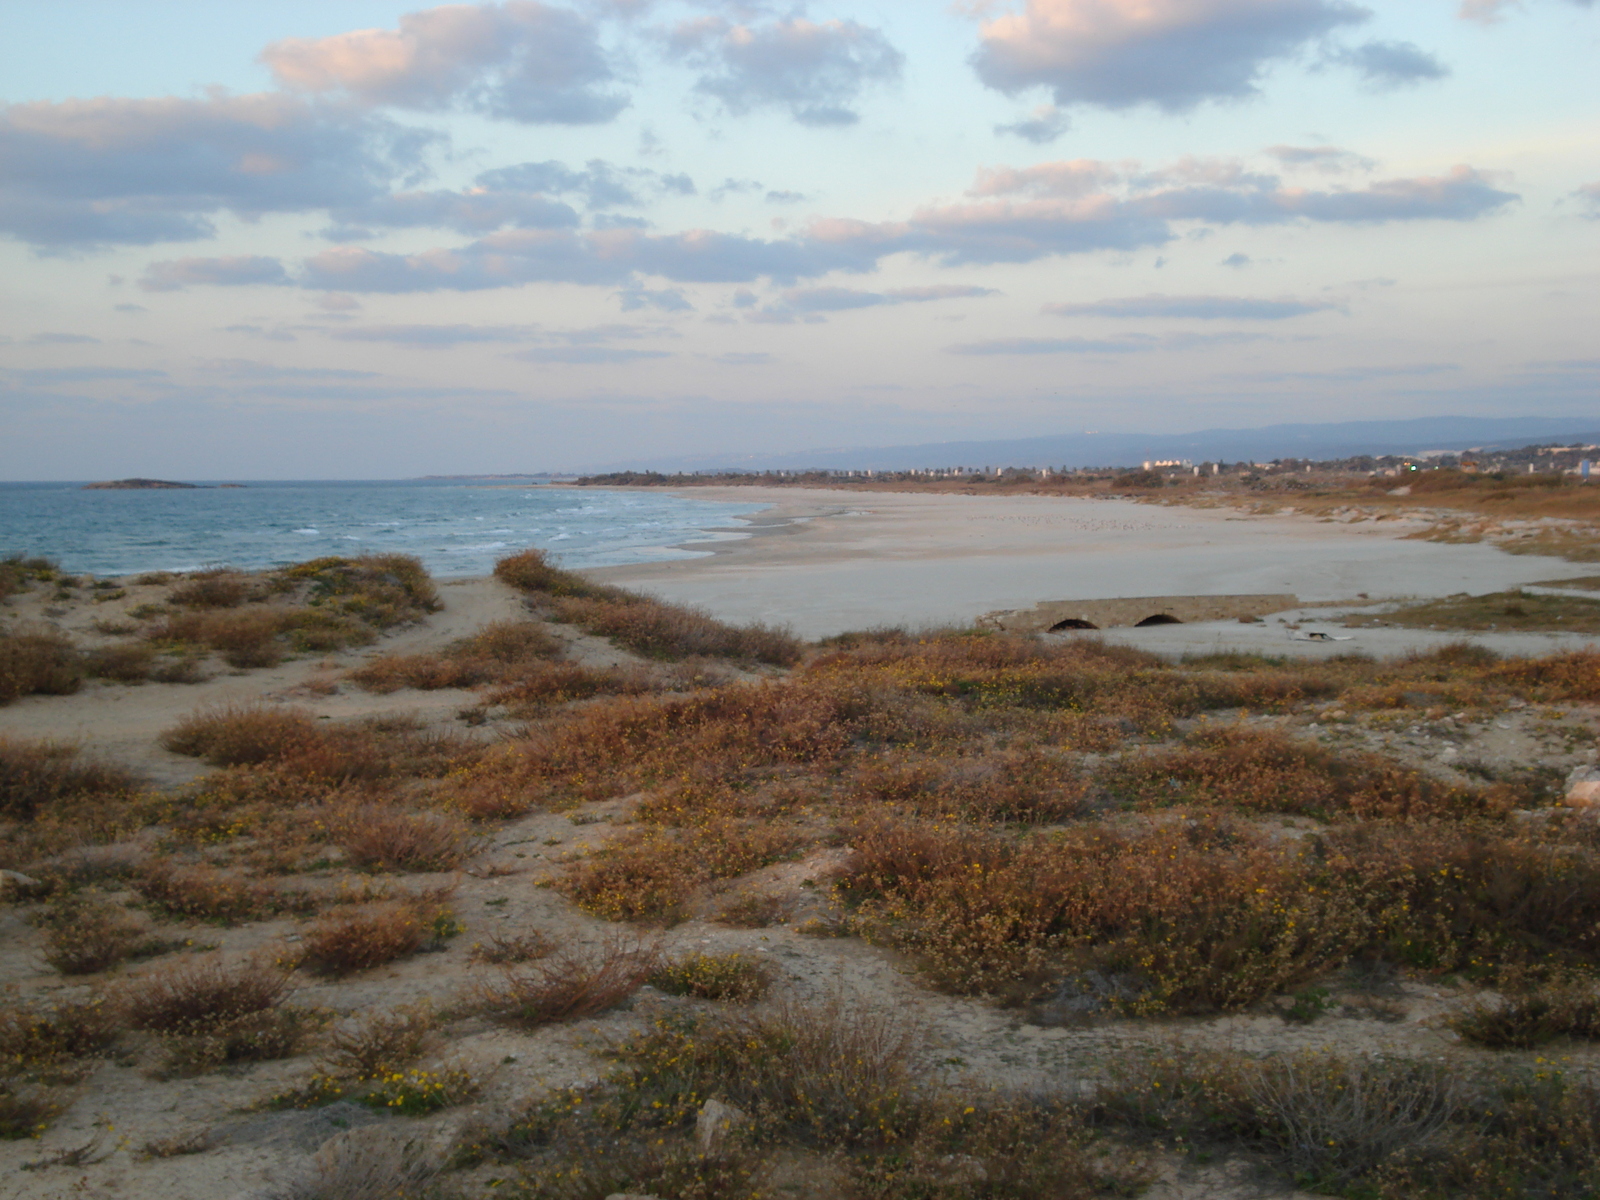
(1344, 439)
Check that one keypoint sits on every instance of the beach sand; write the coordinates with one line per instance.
(822, 562)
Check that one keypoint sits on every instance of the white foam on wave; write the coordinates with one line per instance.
(310, 532)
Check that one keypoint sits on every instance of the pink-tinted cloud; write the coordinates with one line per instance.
(519, 61)
(1170, 53)
(236, 271)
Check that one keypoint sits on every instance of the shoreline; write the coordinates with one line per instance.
(838, 560)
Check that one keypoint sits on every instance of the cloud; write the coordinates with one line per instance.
(235, 271)
(49, 375)
(244, 368)
(785, 197)
(588, 355)
(84, 173)
(1045, 124)
(601, 184)
(337, 302)
(62, 339)
(1487, 12)
(815, 69)
(669, 300)
(838, 299)
(1589, 194)
(745, 358)
(518, 61)
(1330, 160)
(1237, 260)
(1204, 308)
(607, 257)
(1389, 65)
(1020, 215)
(1125, 344)
(435, 337)
(1174, 54)
(130, 308)
(1349, 374)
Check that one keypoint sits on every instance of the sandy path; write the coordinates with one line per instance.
(825, 561)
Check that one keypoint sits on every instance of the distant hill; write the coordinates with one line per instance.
(136, 485)
(1345, 439)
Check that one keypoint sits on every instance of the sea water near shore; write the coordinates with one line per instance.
(456, 528)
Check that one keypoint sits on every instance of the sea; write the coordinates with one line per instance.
(457, 528)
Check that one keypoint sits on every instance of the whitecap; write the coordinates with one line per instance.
(310, 532)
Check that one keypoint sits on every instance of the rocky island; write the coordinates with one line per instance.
(136, 485)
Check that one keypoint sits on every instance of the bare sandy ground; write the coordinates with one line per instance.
(824, 561)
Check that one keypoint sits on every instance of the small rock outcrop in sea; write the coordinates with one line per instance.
(137, 484)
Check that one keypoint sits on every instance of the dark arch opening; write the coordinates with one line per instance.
(1072, 623)
(1159, 619)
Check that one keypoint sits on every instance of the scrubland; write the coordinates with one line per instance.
(651, 904)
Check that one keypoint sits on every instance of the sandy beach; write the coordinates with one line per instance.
(823, 562)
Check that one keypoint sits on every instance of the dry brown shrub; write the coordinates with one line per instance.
(36, 1039)
(570, 985)
(509, 642)
(358, 939)
(85, 934)
(751, 910)
(18, 572)
(38, 775)
(1265, 770)
(1447, 895)
(1528, 1016)
(213, 589)
(656, 629)
(201, 995)
(652, 874)
(201, 892)
(618, 746)
(125, 662)
(532, 571)
(1574, 675)
(501, 950)
(737, 977)
(533, 687)
(246, 638)
(379, 1043)
(379, 590)
(427, 672)
(240, 735)
(37, 661)
(1023, 784)
(1205, 916)
(392, 839)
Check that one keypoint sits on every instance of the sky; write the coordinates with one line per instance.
(360, 239)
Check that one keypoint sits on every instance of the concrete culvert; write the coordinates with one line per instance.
(1158, 619)
(1072, 623)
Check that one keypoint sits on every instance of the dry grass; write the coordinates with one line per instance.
(86, 934)
(510, 949)
(644, 625)
(201, 995)
(198, 891)
(19, 571)
(1504, 611)
(358, 939)
(294, 740)
(36, 776)
(379, 1044)
(214, 589)
(569, 985)
(1261, 770)
(37, 661)
(393, 839)
(1526, 1017)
